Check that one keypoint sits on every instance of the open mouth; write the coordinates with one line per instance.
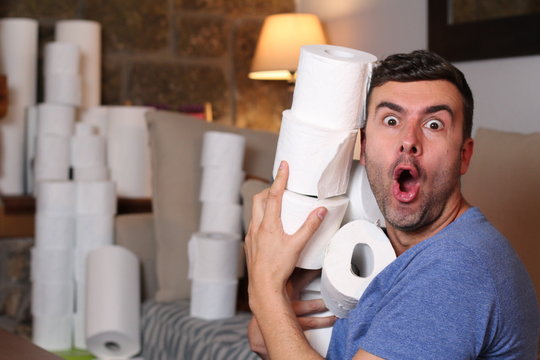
(406, 184)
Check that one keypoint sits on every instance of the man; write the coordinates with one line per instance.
(457, 289)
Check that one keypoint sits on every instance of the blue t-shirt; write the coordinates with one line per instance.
(461, 294)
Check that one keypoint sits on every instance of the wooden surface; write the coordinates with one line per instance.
(15, 347)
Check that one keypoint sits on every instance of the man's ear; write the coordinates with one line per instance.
(362, 135)
(466, 155)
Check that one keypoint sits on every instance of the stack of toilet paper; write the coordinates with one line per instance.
(61, 73)
(52, 268)
(88, 154)
(317, 139)
(94, 228)
(215, 252)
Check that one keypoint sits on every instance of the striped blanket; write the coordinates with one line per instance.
(169, 333)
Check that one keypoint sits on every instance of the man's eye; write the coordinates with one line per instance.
(434, 124)
(391, 120)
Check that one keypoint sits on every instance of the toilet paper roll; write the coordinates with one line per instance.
(86, 35)
(355, 255)
(79, 336)
(56, 119)
(129, 151)
(18, 61)
(49, 265)
(54, 231)
(331, 83)
(61, 58)
(53, 150)
(362, 203)
(319, 159)
(30, 147)
(56, 197)
(221, 184)
(213, 256)
(213, 300)
(295, 209)
(53, 333)
(223, 149)
(221, 217)
(112, 303)
(63, 89)
(97, 116)
(92, 231)
(52, 299)
(96, 197)
(93, 173)
(88, 151)
(49, 172)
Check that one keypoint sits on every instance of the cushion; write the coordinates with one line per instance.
(176, 143)
(504, 181)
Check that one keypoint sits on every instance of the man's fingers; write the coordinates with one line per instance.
(308, 307)
(315, 322)
(257, 209)
(312, 223)
(275, 194)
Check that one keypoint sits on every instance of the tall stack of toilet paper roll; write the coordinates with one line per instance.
(215, 255)
(317, 138)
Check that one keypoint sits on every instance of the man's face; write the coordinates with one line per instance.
(413, 150)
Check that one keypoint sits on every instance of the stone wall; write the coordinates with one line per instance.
(172, 53)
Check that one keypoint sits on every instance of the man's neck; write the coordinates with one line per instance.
(404, 240)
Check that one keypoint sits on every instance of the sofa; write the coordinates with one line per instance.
(503, 181)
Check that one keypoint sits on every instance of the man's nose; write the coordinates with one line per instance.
(410, 141)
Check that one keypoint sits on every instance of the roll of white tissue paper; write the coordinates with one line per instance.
(362, 203)
(295, 209)
(86, 35)
(96, 197)
(112, 303)
(331, 84)
(354, 256)
(52, 299)
(49, 172)
(56, 119)
(223, 149)
(128, 151)
(221, 217)
(52, 333)
(319, 159)
(97, 116)
(49, 265)
(213, 256)
(54, 231)
(88, 150)
(56, 197)
(61, 58)
(53, 150)
(92, 173)
(63, 89)
(213, 300)
(92, 231)
(18, 61)
(221, 184)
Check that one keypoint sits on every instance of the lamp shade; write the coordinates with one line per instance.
(278, 48)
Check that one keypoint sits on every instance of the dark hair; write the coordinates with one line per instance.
(424, 65)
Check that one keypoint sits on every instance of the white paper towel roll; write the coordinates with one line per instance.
(112, 303)
(96, 197)
(52, 299)
(92, 173)
(295, 209)
(54, 231)
(129, 151)
(221, 184)
(88, 150)
(213, 256)
(49, 172)
(61, 58)
(86, 35)
(53, 150)
(362, 203)
(221, 217)
(97, 116)
(56, 197)
(319, 159)
(331, 86)
(355, 255)
(213, 300)
(18, 61)
(50, 265)
(52, 332)
(223, 149)
(56, 119)
(92, 231)
(63, 89)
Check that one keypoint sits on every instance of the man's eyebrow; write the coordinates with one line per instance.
(436, 108)
(390, 105)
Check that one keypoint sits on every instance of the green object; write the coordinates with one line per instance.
(75, 354)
